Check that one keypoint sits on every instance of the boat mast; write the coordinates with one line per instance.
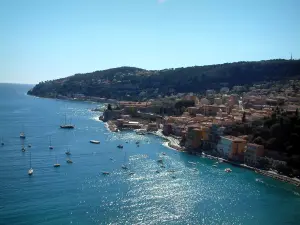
(30, 160)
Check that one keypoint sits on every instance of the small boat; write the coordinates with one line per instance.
(30, 171)
(105, 173)
(23, 149)
(131, 173)
(141, 131)
(124, 166)
(137, 142)
(111, 158)
(68, 152)
(69, 161)
(157, 171)
(163, 153)
(120, 146)
(94, 142)
(29, 145)
(50, 144)
(173, 177)
(228, 170)
(214, 165)
(22, 135)
(160, 161)
(56, 164)
(162, 166)
(171, 171)
(67, 126)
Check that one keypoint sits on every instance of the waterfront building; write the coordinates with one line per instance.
(252, 153)
(232, 147)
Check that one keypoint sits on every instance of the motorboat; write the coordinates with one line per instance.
(69, 161)
(30, 171)
(23, 149)
(157, 171)
(22, 135)
(29, 145)
(228, 170)
(163, 153)
(131, 173)
(137, 142)
(105, 173)
(124, 167)
(120, 146)
(214, 165)
(94, 142)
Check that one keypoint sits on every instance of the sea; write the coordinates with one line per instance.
(181, 192)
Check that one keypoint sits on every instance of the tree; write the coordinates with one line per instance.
(259, 141)
(244, 117)
(109, 107)
(275, 130)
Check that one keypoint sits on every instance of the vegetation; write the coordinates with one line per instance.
(128, 83)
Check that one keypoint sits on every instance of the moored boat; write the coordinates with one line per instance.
(67, 126)
(94, 142)
(56, 164)
(30, 171)
(228, 170)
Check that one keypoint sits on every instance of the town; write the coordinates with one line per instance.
(223, 123)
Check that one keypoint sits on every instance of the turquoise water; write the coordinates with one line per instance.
(78, 193)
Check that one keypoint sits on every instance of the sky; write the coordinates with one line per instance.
(48, 39)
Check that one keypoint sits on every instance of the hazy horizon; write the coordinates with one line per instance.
(53, 39)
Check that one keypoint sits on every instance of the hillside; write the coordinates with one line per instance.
(134, 83)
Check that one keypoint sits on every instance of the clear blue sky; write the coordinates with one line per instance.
(48, 39)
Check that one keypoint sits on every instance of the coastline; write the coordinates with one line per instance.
(173, 143)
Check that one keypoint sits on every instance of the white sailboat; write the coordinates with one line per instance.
(124, 166)
(56, 164)
(22, 133)
(30, 171)
(50, 144)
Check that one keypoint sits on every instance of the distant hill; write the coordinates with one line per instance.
(134, 83)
